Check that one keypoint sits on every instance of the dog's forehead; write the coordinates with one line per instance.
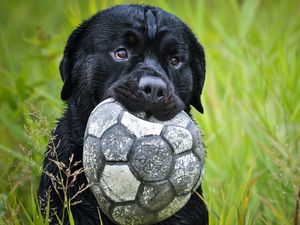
(151, 24)
(145, 19)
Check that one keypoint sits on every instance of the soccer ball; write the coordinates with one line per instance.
(141, 171)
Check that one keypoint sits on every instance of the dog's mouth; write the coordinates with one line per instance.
(147, 96)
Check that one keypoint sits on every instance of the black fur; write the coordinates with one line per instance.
(91, 73)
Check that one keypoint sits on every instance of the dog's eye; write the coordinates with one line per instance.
(175, 61)
(121, 54)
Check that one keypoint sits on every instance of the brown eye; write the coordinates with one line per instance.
(175, 61)
(121, 54)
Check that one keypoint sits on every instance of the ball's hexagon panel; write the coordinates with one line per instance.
(102, 201)
(118, 183)
(155, 196)
(151, 158)
(132, 214)
(116, 143)
(173, 207)
(103, 118)
(140, 127)
(180, 138)
(109, 100)
(181, 119)
(186, 173)
(92, 158)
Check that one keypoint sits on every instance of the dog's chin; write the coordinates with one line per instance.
(134, 100)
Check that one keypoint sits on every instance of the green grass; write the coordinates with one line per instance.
(251, 100)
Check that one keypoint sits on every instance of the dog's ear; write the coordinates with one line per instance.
(198, 68)
(65, 72)
(67, 62)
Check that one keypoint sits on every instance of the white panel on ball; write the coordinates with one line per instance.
(140, 127)
(102, 120)
(118, 183)
(180, 138)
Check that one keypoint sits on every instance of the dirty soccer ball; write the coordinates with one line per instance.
(141, 171)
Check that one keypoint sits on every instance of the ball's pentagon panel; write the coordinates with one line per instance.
(174, 206)
(118, 183)
(186, 173)
(151, 158)
(151, 195)
(180, 138)
(116, 143)
(199, 179)
(132, 214)
(198, 147)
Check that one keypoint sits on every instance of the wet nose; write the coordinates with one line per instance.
(153, 87)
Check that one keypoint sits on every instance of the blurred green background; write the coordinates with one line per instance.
(251, 97)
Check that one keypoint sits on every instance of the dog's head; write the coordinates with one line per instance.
(144, 57)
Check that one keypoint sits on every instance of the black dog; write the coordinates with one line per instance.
(148, 60)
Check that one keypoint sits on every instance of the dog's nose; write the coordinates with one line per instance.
(153, 87)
